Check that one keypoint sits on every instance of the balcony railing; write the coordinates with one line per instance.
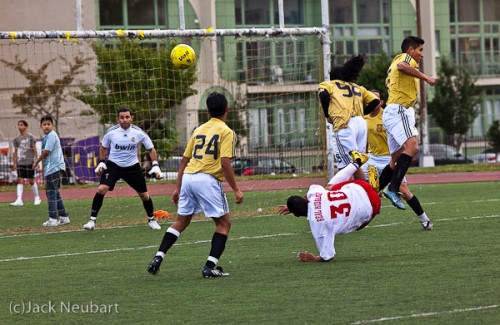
(480, 64)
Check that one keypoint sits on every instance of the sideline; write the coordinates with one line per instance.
(453, 311)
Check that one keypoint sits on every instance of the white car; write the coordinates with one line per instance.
(486, 157)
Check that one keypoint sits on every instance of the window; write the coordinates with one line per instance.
(254, 12)
(491, 10)
(292, 11)
(111, 12)
(132, 13)
(360, 26)
(264, 12)
(340, 11)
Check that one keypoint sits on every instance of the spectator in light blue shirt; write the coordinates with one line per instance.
(53, 165)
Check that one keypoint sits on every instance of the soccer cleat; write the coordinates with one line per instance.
(17, 203)
(51, 223)
(89, 225)
(373, 177)
(427, 225)
(154, 266)
(153, 224)
(37, 201)
(63, 221)
(358, 158)
(395, 199)
(213, 273)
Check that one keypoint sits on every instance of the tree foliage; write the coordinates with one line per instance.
(454, 106)
(493, 135)
(41, 96)
(374, 73)
(144, 80)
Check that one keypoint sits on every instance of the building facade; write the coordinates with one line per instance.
(275, 80)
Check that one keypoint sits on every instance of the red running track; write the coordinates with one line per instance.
(70, 192)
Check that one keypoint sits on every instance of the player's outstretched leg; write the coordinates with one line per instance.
(395, 198)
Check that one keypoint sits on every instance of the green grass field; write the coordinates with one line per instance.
(392, 272)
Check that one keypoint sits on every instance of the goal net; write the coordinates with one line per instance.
(270, 79)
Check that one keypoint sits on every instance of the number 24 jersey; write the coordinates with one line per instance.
(208, 144)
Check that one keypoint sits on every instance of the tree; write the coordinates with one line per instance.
(493, 135)
(144, 80)
(454, 106)
(374, 73)
(42, 97)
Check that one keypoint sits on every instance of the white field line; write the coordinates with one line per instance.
(453, 311)
(104, 251)
(24, 258)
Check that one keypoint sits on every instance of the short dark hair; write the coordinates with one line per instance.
(216, 104)
(350, 70)
(297, 205)
(123, 109)
(47, 118)
(411, 41)
(23, 121)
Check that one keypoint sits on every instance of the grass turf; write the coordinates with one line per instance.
(391, 270)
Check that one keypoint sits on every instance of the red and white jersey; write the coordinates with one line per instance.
(349, 206)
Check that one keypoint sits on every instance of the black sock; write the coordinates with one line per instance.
(168, 240)
(385, 177)
(414, 203)
(218, 246)
(96, 204)
(402, 165)
(148, 206)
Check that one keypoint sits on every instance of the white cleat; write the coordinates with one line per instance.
(63, 221)
(17, 203)
(51, 223)
(89, 225)
(153, 224)
(427, 225)
(37, 201)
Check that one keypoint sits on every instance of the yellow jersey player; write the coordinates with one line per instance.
(379, 158)
(205, 163)
(344, 103)
(399, 116)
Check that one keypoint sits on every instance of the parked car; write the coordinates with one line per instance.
(487, 156)
(443, 155)
(170, 167)
(261, 165)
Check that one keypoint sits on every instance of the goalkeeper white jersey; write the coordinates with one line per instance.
(340, 211)
(123, 144)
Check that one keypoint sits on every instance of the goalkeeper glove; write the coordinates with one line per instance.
(155, 170)
(101, 167)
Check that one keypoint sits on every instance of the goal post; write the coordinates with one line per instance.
(269, 75)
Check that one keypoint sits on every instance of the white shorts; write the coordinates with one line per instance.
(353, 137)
(399, 123)
(202, 193)
(379, 162)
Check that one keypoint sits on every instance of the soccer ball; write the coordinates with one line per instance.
(183, 56)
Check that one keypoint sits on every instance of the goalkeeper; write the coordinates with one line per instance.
(120, 144)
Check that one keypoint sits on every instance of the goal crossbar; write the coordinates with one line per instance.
(157, 33)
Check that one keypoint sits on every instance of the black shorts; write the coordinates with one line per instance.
(132, 175)
(25, 171)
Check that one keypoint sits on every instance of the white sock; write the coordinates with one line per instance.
(34, 188)
(161, 254)
(344, 174)
(423, 218)
(20, 191)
